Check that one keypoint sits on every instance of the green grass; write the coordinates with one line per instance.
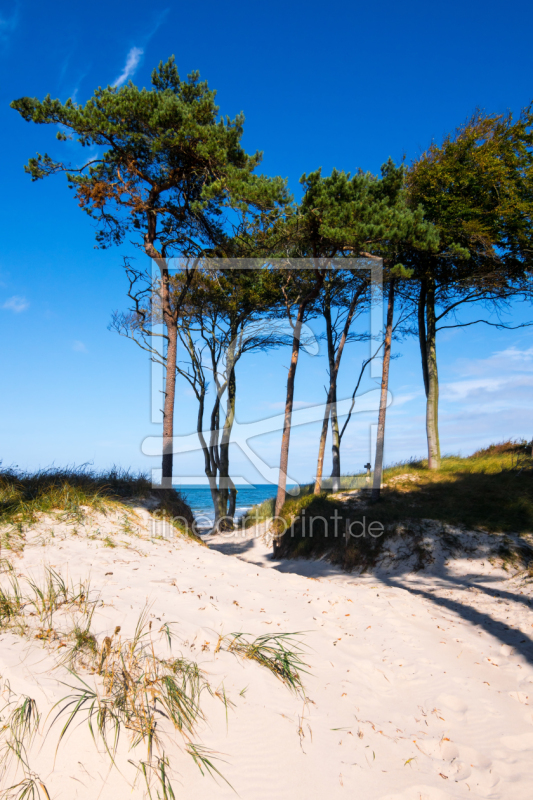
(259, 513)
(280, 653)
(19, 725)
(138, 691)
(491, 490)
(70, 493)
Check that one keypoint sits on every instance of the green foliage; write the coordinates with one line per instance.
(168, 164)
(489, 491)
(279, 653)
(346, 215)
(69, 493)
(259, 513)
(477, 187)
(141, 691)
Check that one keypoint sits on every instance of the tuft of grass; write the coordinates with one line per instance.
(70, 493)
(140, 692)
(11, 604)
(259, 513)
(46, 597)
(490, 491)
(158, 771)
(17, 733)
(280, 653)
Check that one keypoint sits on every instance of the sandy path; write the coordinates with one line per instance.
(419, 685)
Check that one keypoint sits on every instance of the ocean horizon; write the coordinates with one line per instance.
(200, 501)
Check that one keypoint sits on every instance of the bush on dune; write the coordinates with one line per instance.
(489, 491)
(71, 492)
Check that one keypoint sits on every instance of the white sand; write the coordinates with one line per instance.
(419, 684)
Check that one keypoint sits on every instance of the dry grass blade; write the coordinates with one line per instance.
(202, 758)
(139, 692)
(160, 772)
(99, 715)
(16, 738)
(11, 601)
(280, 653)
(27, 789)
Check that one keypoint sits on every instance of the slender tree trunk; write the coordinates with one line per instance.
(422, 337)
(232, 499)
(432, 406)
(331, 364)
(224, 479)
(286, 436)
(322, 447)
(336, 442)
(209, 467)
(333, 368)
(170, 378)
(380, 443)
(334, 365)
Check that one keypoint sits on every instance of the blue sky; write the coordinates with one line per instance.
(341, 85)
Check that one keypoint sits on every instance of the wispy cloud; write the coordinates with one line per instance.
(132, 62)
(16, 304)
(79, 347)
(8, 24)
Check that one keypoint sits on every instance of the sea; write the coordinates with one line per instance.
(199, 499)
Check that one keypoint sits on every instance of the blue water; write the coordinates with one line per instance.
(199, 499)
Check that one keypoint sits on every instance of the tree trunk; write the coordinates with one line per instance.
(209, 467)
(232, 499)
(333, 369)
(380, 443)
(336, 442)
(286, 436)
(331, 364)
(422, 337)
(322, 447)
(170, 379)
(285, 439)
(432, 405)
(224, 480)
(334, 364)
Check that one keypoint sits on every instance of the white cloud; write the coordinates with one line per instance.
(132, 62)
(16, 304)
(79, 347)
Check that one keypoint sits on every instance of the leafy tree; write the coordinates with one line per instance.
(408, 229)
(477, 189)
(168, 169)
(343, 215)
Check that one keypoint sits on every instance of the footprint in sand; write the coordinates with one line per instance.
(420, 793)
(452, 703)
(521, 742)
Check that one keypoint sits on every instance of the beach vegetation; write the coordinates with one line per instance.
(490, 491)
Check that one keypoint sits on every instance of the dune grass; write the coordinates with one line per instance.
(280, 653)
(19, 725)
(118, 686)
(259, 513)
(70, 493)
(136, 691)
(491, 491)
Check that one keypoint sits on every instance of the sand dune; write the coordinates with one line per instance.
(419, 685)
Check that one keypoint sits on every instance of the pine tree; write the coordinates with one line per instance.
(168, 167)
